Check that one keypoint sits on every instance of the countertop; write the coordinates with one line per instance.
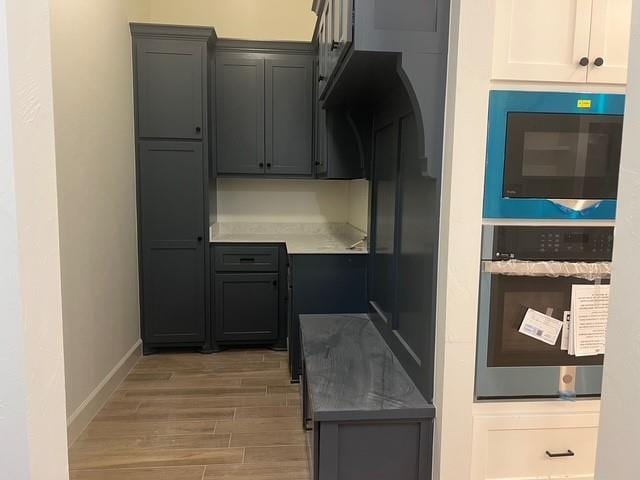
(300, 238)
(353, 374)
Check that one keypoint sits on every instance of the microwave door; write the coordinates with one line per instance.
(562, 156)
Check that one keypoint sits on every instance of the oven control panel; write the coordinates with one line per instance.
(553, 243)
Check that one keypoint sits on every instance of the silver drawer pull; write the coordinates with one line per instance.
(568, 453)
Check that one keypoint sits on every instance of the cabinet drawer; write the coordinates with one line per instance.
(517, 448)
(245, 259)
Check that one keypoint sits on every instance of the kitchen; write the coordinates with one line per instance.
(313, 191)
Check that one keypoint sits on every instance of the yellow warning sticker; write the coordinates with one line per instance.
(584, 103)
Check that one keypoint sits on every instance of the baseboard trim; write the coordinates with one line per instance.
(82, 416)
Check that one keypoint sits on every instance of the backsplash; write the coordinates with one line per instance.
(293, 201)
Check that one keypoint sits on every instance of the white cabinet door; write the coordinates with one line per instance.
(541, 40)
(610, 34)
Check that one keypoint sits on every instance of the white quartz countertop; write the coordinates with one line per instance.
(300, 238)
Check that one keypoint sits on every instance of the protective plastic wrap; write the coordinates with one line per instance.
(583, 270)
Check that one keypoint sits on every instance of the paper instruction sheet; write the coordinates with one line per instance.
(588, 319)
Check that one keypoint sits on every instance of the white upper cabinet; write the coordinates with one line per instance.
(560, 40)
(610, 32)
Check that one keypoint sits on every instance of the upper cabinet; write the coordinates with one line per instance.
(171, 81)
(240, 114)
(264, 109)
(575, 41)
(289, 115)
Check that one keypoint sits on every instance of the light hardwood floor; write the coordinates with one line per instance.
(227, 416)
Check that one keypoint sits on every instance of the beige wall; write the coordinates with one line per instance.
(32, 408)
(291, 201)
(93, 106)
(248, 19)
(359, 204)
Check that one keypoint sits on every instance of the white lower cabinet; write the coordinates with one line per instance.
(535, 447)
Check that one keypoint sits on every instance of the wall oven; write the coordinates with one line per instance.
(553, 155)
(536, 267)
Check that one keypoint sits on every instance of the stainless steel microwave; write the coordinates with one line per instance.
(553, 155)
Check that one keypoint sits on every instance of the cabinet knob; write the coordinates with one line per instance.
(261, 165)
(321, 78)
(198, 129)
(268, 165)
(584, 61)
(318, 164)
(200, 239)
(334, 45)
(275, 283)
(598, 62)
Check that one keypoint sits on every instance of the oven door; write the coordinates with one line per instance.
(562, 156)
(513, 365)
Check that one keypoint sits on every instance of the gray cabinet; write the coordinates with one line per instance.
(289, 126)
(171, 76)
(240, 114)
(249, 294)
(170, 83)
(364, 416)
(264, 109)
(171, 200)
(324, 284)
(246, 306)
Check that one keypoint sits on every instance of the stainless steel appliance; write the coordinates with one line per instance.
(553, 155)
(535, 267)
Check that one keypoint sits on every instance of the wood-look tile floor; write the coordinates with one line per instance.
(228, 416)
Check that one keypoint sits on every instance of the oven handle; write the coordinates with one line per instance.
(521, 268)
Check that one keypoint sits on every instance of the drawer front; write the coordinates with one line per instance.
(245, 259)
(517, 449)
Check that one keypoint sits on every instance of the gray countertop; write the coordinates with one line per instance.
(300, 238)
(353, 375)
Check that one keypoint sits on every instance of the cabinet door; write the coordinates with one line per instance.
(383, 265)
(172, 236)
(289, 115)
(240, 114)
(170, 77)
(237, 319)
(610, 35)
(541, 40)
(342, 25)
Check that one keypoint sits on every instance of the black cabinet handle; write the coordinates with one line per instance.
(321, 78)
(318, 164)
(247, 260)
(268, 165)
(584, 61)
(198, 129)
(200, 239)
(568, 453)
(275, 283)
(334, 45)
(598, 62)
(261, 165)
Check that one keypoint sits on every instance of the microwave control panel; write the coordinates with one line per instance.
(590, 244)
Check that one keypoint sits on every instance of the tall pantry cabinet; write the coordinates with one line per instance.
(171, 77)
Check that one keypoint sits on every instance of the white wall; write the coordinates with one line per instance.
(463, 185)
(93, 100)
(32, 408)
(620, 417)
(247, 19)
